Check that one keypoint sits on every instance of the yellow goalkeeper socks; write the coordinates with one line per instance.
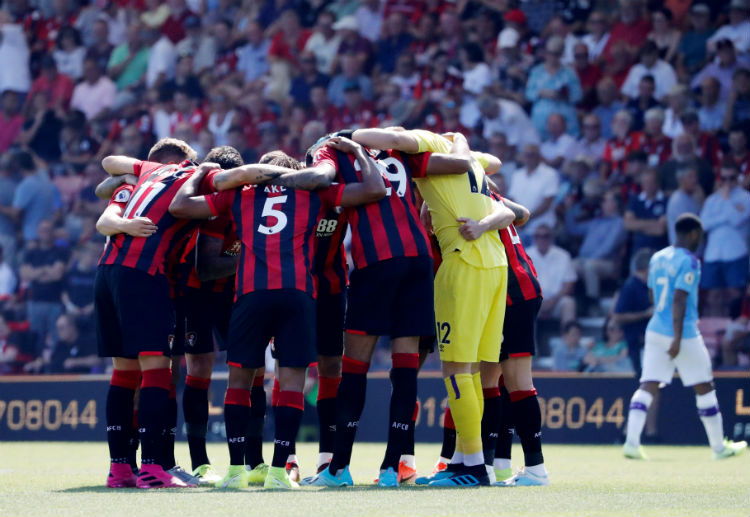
(464, 404)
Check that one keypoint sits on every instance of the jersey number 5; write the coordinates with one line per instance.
(270, 211)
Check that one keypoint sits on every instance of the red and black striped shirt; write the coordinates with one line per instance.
(329, 266)
(276, 226)
(151, 196)
(391, 227)
(523, 284)
(221, 227)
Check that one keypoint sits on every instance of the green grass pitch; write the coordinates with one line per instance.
(66, 479)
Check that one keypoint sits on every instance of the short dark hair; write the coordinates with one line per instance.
(730, 164)
(687, 223)
(570, 325)
(648, 78)
(226, 156)
(171, 150)
(474, 52)
(641, 259)
(281, 159)
(24, 161)
(637, 156)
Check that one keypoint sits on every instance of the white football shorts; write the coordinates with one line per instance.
(693, 362)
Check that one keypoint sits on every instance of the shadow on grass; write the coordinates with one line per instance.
(252, 490)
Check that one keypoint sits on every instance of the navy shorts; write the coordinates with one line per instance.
(134, 312)
(519, 330)
(201, 314)
(331, 310)
(286, 315)
(393, 298)
(726, 274)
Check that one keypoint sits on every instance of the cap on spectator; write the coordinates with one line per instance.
(740, 5)
(508, 38)
(516, 16)
(700, 8)
(352, 86)
(346, 23)
(192, 22)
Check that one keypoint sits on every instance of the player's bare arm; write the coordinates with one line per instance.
(457, 162)
(679, 306)
(187, 203)
(106, 188)
(118, 165)
(389, 138)
(501, 217)
(309, 178)
(372, 188)
(520, 212)
(111, 222)
(210, 262)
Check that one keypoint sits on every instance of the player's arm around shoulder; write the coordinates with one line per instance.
(187, 203)
(118, 165)
(387, 138)
(457, 162)
(111, 223)
(500, 217)
(371, 189)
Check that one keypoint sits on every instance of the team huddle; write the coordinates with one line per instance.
(249, 255)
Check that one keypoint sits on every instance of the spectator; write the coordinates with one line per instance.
(589, 75)
(633, 307)
(738, 102)
(553, 88)
(356, 112)
(8, 280)
(73, 352)
(14, 55)
(184, 79)
(726, 220)
(56, 87)
(645, 216)
(95, 95)
(476, 77)
(512, 65)
(610, 355)
(664, 34)
(129, 61)
(557, 277)
(619, 146)
(737, 30)
(608, 104)
(236, 138)
(722, 68)
(10, 353)
(599, 255)
(712, 108)
(739, 153)
(688, 198)
(498, 145)
(69, 53)
(222, 118)
(174, 26)
(737, 335)
(598, 34)
(43, 268)
(706, 144)
(8, 228)
(324, 42)
(321, 108)
(162, 57)
(353, 43)
(652, 140)
(591, 145)
(568, 353)
(501, 115)
(351, 71)
(631, 28)
(11, 120)
(36, 198)
(438, 82)
(405, 76)
(535, 186)
(78, 290)
(650, 64)
(202, 48)
(644, 102)
(557, 27)
(691, 53)
(685, 155)
(558, 144)
(395, 40)
(368, 19)
(100, 49)
(678, 101)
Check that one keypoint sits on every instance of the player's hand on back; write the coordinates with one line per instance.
(130, 179)
(470, 230)
(343, 144)
(141, 227)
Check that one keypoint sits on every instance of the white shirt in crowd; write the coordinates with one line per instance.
(325, 50)
(663, 74)
(531, 189)
(514, 123)
(561, 146)
(91, 99)
(70, 63)
(8, 280)
(554, 270)
(161, 59)
(596, 47)
(14, 56)
(738, 34)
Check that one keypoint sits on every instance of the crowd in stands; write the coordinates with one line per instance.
(611, 119)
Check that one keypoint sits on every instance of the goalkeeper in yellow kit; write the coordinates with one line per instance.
(470, 286)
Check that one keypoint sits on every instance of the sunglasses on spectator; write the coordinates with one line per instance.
(729, 179)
